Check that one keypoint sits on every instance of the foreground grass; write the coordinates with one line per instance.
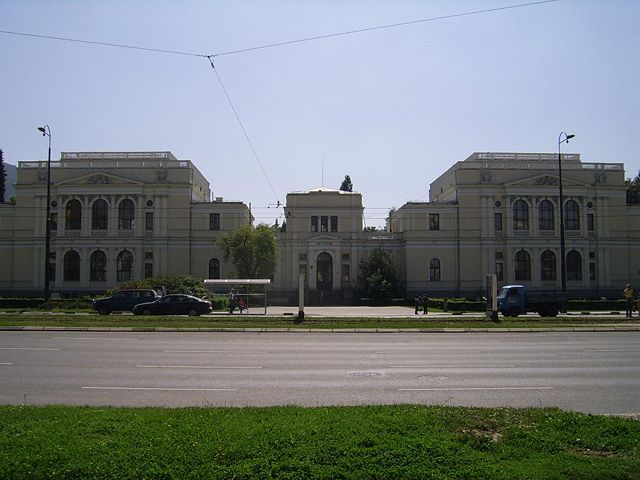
(392, 442)
(251, 321)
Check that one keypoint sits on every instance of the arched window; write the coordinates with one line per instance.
(523, 266)
(434, 270)
(545, 215)
(214, 268)
(520, 215)
(99, 215)
(71, 266)
(574, 265)
(571, 215)
(126, 212)
(73, 215)
(124, 266)
(98, 266)
(548, 265)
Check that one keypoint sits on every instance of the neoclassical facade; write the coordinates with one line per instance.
(115, 217)
(119, 216)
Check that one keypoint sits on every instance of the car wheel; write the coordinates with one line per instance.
(504, 313)
(146, 311)
(552, 312)
(193, 312)
(543, 312)
(104, 311)
(514, 311)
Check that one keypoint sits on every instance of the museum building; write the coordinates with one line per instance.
(118, 216)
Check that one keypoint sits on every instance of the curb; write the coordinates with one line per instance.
(630, 328)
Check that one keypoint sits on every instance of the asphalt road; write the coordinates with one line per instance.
(588, 372)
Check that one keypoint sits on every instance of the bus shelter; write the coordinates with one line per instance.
(247, 289)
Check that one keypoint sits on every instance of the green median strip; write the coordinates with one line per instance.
(260, 323)
(399, 442)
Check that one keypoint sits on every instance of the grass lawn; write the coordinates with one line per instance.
(373, 442)
(255, 321)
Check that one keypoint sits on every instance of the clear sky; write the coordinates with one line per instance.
(393, 108)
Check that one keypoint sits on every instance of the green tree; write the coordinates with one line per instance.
(3, 177)
(253, 251)
(379, 275)
(346, 185)
(633, 190)
(180, 284)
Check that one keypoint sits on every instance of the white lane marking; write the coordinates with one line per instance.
(445, 389)
(165, 389)
(212, 367)
(31, 348)
(93, 338)
(3, 363)
(216, 351)
(614, 350)
(453, 366)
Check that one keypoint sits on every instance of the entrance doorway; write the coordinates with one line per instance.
(324, 272)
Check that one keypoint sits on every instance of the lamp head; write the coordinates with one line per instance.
(41, 129)
(570, 136)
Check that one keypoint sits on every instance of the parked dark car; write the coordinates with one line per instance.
(175, 304)
(124, 300)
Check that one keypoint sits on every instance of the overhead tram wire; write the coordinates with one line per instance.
(284, 43)
(103, 44)
(381, 27)
(246, 135)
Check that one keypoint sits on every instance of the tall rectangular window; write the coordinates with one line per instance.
(54, 222)
(434, 221)
(214, 221)
(324, 223)
(148, 221)
(334, 223)
(314, 224)
(148, 270)
(497, 222)
(346, 272)
(499, 271)
(590, 222)
(592, 271)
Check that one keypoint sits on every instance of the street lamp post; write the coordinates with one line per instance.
(46, 131)
(562, 138)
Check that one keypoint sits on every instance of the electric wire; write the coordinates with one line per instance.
(102, 44)
(244, 130)
(380, 27)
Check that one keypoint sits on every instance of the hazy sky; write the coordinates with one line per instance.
(393, 108)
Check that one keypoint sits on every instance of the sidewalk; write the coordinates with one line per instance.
(409, 312)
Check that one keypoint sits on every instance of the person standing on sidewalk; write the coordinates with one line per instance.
(628, 299)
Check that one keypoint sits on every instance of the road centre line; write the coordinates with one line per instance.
(7, 364)
(460, 389)
(453, 366)
(216, 351)
(31, 348)
(161, 389)
(204, 367)
(614, 350)
(94, 338)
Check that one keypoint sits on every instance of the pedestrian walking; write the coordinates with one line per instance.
(425, 302)
(628, 300)
(416, 301)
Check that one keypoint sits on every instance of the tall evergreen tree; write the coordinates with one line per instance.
(346, 186)
(3, 177)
